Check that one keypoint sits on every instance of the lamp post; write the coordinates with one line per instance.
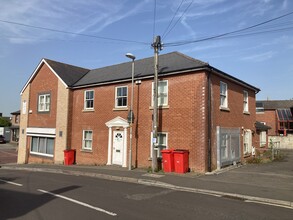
(130, 113)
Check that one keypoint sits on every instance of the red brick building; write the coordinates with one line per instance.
(277, 114)
(201, 109)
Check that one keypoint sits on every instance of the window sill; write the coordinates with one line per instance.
(41, 154)
(247, 155)
(225, 109)
(88, 110)
(120, 109)
(160, 107)
(86, 151)
(246, 113)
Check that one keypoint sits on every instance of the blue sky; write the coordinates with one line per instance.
(262, 59)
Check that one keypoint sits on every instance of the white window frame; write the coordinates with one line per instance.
(44, 104)
(160, 146)
(160, 95)
(247, 141)
(119, 97)
(245, 102)
(89, 100)
(84, 140)
(223, 95)
(224, 146)
(263, 139)
(38, 147)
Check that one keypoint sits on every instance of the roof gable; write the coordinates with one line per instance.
(68, 74)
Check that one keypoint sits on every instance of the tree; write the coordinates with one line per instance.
(4, 122)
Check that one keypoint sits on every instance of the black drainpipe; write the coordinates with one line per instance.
(209, 124)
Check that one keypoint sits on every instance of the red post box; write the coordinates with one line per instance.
(168, 160)
(181, 161)
(69, 157)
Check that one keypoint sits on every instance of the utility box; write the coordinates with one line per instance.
(69, 157)
(181, 161)
(168, 160)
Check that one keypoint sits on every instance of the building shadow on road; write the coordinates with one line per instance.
(16, 203)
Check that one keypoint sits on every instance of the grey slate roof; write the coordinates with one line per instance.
(68, 73)
(274, 104)
(170, 62)
(261, 127)
(15, 113)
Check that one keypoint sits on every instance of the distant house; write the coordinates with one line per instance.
(276, 114)
(201, 109)
(15, 119)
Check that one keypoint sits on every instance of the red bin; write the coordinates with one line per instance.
(69, 156)
(181, 161)
(168, 160)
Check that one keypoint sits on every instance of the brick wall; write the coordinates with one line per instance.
(44, 82)
(22, 144)
(63, 97)
(269, 117)
(184, 120)
(234, 117)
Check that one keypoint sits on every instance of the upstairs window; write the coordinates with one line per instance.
(121, 97)
(162, 93)
(89, 99)
(245, 101)
(44, 103)
(223, 95)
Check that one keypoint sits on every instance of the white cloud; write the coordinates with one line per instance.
(73, 16)
(259, 57)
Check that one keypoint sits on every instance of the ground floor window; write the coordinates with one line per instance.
(228, 146)
(42, 146)
(87, 140)
(162, 143)
(247, 139)
(263, 138)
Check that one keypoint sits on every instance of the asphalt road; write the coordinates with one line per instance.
(37, 195)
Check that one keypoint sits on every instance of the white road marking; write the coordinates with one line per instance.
(79, 203)
(266, 203)
(12, 183)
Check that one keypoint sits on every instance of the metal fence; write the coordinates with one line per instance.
(228, 146)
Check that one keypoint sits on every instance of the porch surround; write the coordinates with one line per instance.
(117, 123)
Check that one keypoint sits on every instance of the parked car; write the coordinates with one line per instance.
(2, 139)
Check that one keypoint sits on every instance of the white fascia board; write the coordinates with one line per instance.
(36, 71)
(42, 132)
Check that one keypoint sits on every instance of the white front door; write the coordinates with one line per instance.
(118, 141)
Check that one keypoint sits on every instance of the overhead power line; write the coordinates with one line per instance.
(155, 18)
(172, 18)
(186, 9)
(232, 33)
(72, 33)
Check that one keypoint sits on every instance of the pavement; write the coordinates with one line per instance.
(270, 183)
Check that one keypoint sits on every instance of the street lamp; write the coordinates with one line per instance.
(130, 113)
